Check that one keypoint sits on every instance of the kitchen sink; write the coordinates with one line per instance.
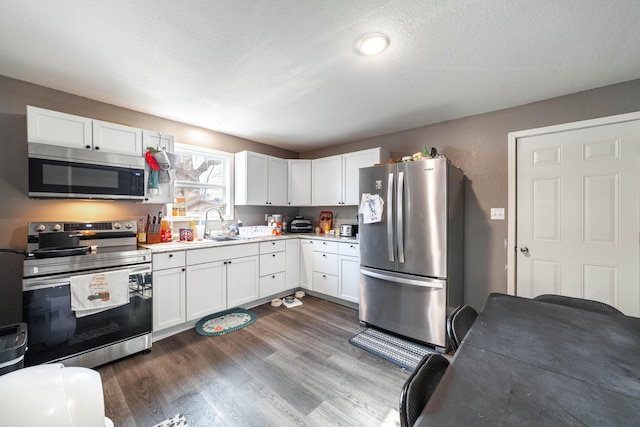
(222, 238)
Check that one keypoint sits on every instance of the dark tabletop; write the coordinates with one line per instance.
(526, 362)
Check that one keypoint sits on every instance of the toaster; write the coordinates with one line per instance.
(300, 225)
(348, 230)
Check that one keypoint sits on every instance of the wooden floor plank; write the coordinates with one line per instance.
(291, 367)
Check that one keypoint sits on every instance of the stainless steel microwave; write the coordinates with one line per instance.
(60, 172)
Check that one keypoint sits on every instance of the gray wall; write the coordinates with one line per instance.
(478, 145)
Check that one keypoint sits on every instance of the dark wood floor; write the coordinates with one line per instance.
(291, 367)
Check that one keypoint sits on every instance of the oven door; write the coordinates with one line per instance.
(66, 179)
(56, 334)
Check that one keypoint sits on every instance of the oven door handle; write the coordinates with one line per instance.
(35, 283)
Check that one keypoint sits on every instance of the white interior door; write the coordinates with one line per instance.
(578, 217)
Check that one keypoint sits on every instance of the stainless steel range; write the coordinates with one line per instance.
(60, 327)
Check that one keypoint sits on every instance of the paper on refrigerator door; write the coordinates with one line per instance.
(371, 208)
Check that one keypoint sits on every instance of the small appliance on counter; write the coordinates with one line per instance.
(300, 225)
(348, 230)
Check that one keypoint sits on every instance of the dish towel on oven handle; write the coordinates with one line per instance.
(97, 292)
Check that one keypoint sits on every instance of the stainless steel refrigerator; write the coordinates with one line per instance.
(411, 260)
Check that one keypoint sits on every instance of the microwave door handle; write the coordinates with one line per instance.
(390, 238)
(400, 218)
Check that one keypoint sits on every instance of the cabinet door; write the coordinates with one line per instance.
(349, 279)
(242, 281)
(165, 193)
(352, 162)
(327, 181)
(251, 178)
(306, 264)
(168, 298)
(325, 283)
(206, 289)
(271, 284)
(55, 128)
(292, 264)
(299, 182)
(118, 139)
(277, 181)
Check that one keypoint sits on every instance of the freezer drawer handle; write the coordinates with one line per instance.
(402, 280)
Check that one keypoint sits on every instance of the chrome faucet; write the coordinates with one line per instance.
(207, 232)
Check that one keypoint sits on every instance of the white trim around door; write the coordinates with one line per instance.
(513, 173)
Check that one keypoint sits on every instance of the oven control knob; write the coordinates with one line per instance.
(116, 225)
(55, 227)
(41, 227)
(128, 226)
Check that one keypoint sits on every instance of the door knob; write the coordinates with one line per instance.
(524, 250)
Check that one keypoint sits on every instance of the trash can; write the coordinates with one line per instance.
(13, 344)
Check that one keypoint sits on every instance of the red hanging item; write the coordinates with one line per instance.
(152, 161)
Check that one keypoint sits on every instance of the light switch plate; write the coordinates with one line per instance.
(497, 213)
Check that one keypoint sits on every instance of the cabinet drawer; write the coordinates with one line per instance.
(325, 246)
(163, 261)
(272, 263)
(272, 246)
(349, 249)
(325, 283)
(325, 263)
(219, 253)
(271, 284)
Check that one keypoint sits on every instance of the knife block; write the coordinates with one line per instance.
(153, 233)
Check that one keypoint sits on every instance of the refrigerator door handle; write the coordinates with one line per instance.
(400, 218)
(390, 218)
(402, 280)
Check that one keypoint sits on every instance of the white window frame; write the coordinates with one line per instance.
(229, 212)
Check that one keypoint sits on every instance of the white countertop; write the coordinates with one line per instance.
(199, 244)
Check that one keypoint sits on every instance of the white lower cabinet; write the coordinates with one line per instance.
(349, 272)
(242, 280)
(225, 277)
(306, 264)
(206, 289)
(325, 267)
(292, 264)
(272, 267)
(169, 304)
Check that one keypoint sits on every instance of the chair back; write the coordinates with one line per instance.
(417, 390)
(585, 304)
(458, 324)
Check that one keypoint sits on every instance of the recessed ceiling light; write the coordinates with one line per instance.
(371, 43)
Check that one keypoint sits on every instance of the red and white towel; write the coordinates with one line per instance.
(93, 293)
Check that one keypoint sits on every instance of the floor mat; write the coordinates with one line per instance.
(176, 421)
(225, 322)
(402, 352)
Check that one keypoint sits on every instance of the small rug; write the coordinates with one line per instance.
(176, 421)
(225, 322)
(399, 351)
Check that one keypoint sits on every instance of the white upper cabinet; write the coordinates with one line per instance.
(119, 139)
(327, 181)
(299, 182)
(54, 128)
(335, 178)
(82, 133)
(260, 179)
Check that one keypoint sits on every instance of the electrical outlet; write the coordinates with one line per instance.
(497, 213)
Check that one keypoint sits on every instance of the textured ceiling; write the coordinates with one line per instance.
(284, 72)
